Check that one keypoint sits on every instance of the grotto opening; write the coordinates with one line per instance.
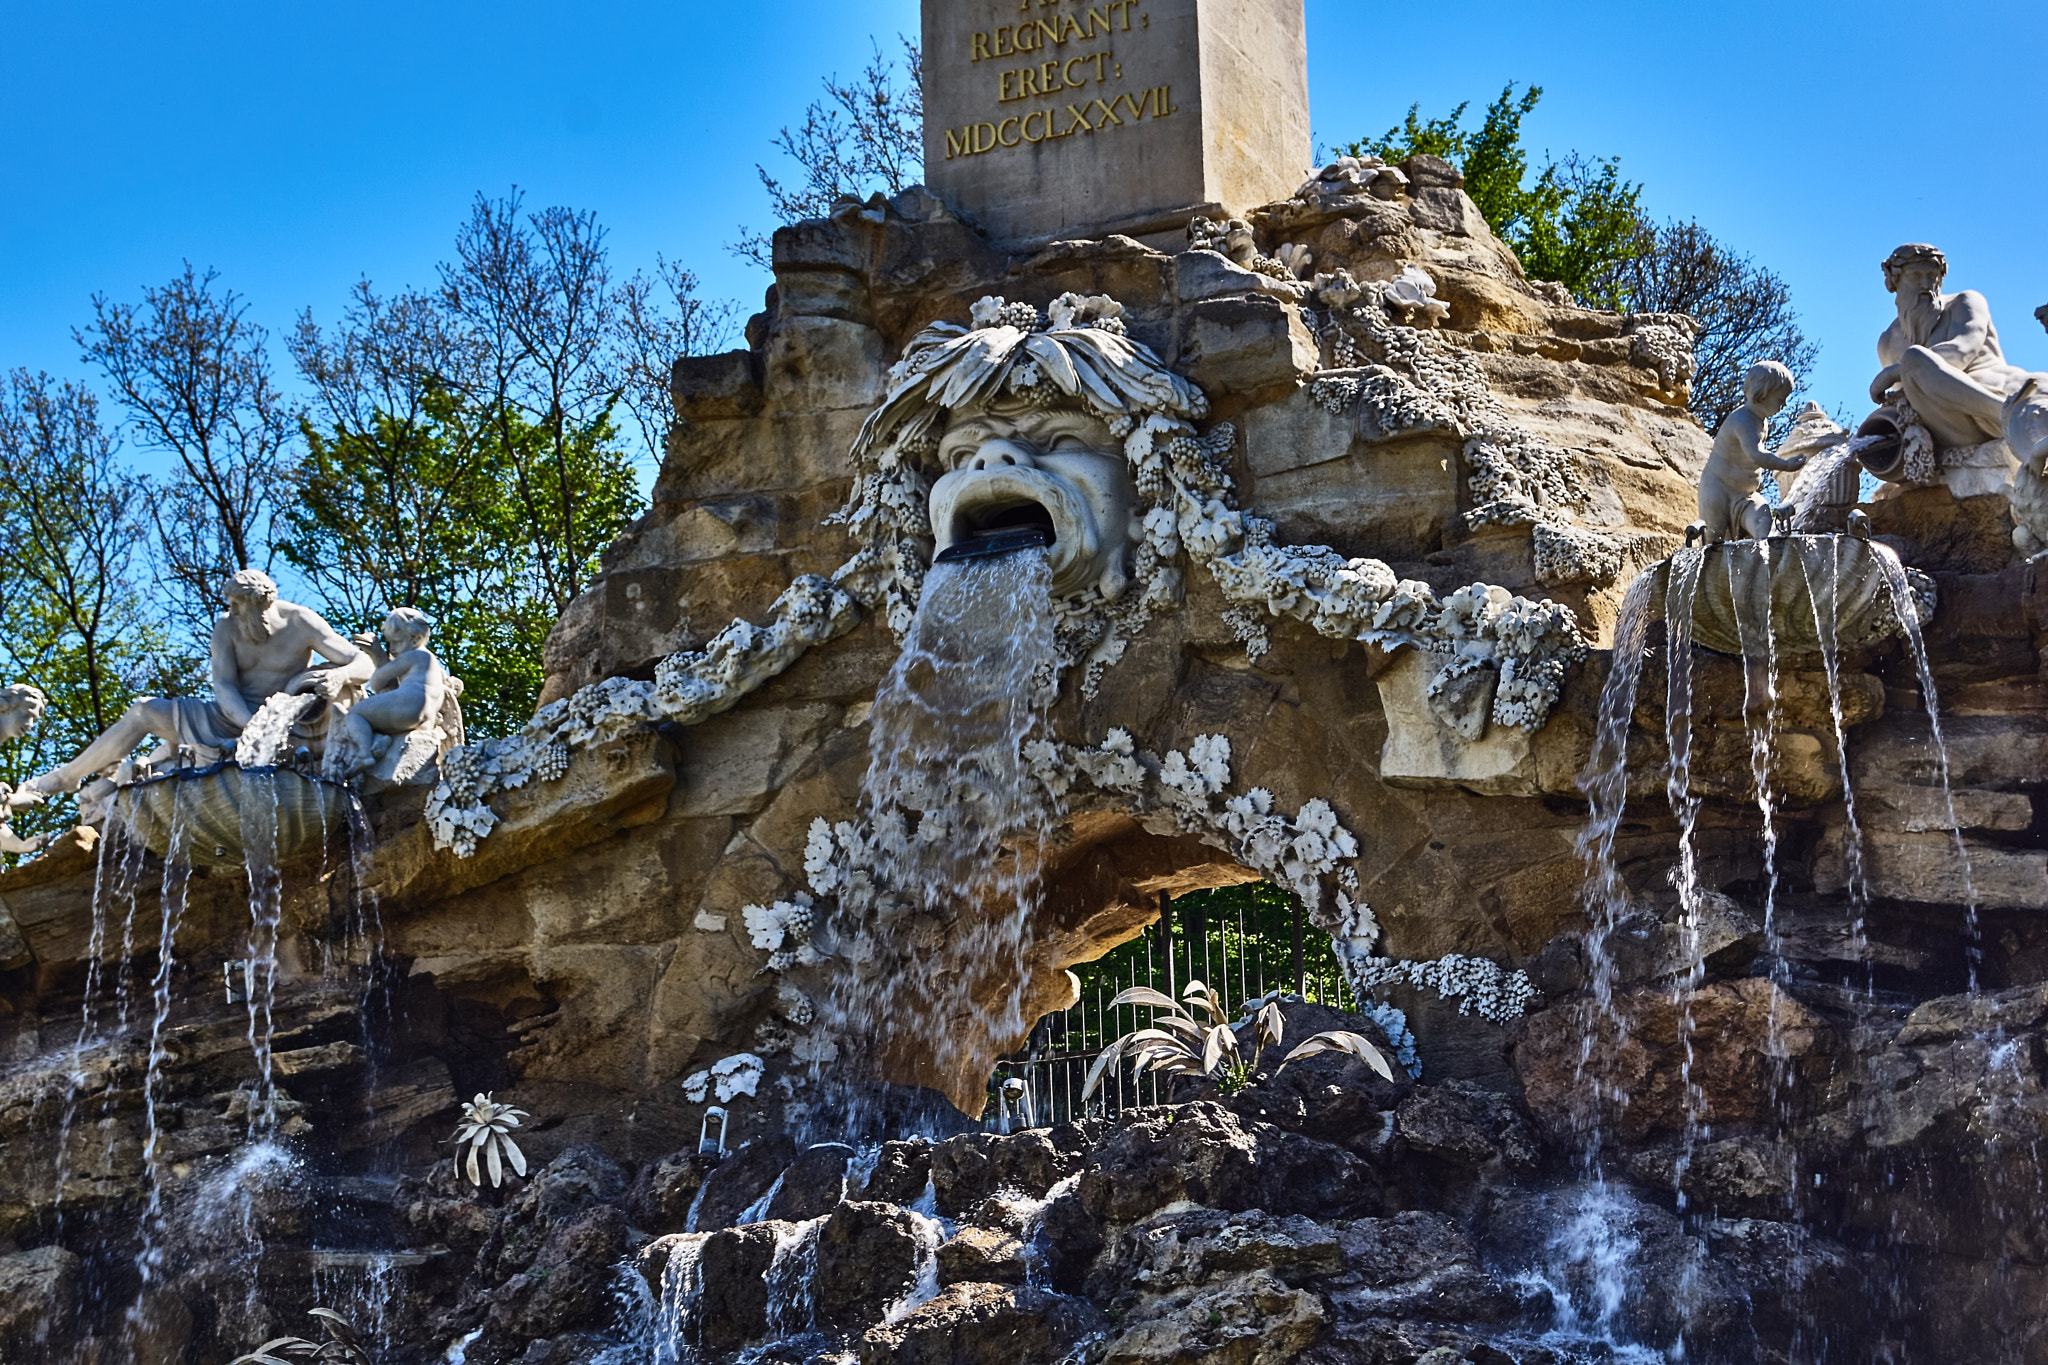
(1663, 866)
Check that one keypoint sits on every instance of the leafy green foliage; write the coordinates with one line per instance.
(425, 510)
(73, 615)
(1575, 220)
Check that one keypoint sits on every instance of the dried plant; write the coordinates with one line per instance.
(342, 1346)
(1179, 1044)
(487, 1128)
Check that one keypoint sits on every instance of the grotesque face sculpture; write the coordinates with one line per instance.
(1058, 469)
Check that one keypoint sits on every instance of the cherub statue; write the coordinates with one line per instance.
(1732, 505)
(409, 691)
(21, 706)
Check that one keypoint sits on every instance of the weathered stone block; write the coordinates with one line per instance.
(1242, 344)
(708, 386)
(1423, 749)
(824, 362)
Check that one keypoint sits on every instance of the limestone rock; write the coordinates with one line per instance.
(982, 1256)
(982, 1324)
(741, 1179)
(867, 1259)
(1203, 1153)
(812, 1184)
(1252, 1319)
(38, 1293)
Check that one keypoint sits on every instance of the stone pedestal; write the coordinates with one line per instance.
(1058, 118)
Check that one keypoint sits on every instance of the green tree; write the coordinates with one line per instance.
(193, 371)
(74, 619)
(413, 493)
(1576, 220)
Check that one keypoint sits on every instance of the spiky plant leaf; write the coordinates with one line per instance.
(1206, 998)
(265, 1354)
(475, 1177)
(1351, 1044)
(1271, 1025)
(1221, 1043)
(1145, 995)
(496, 1163)
(514, 1155)
(1103, 1063)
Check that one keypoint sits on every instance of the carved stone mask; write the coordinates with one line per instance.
(1057, 468)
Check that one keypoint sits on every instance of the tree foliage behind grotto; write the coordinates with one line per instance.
(469, 449)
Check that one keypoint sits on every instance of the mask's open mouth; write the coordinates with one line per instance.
(997, 511)
(1000, 529)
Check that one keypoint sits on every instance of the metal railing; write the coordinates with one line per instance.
(1244, 942)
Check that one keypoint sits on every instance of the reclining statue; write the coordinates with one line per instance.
(259, 647)
(1942, 354)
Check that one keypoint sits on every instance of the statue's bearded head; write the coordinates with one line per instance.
(21, 706)
(250, 595)
(1915, 271)
(1013, 465)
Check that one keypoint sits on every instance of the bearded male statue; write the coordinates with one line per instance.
(1942, 354)
(258, 647)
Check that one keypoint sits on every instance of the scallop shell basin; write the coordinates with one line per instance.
(214, 817)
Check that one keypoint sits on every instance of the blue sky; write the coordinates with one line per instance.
(296, 147)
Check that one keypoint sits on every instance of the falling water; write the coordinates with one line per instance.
(1759, 704)
(1592, 1240)
(117, 877)
(266, 895)
(177, 877)
(957, 817)
(1903, 597)
(1825, 629)
(1681, 592)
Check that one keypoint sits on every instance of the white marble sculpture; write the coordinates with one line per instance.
(1943, 367)
(21, 707)
(259, 647)
(1732, 505)
(2024, 417)
(410, 715)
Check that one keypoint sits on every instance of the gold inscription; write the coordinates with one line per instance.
(1044, 125)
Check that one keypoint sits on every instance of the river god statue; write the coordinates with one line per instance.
(259, 647)
(1941, 357)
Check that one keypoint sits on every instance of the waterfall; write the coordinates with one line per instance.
(177, 877)
(957, 817)
(1902, 596)
(1825, 627)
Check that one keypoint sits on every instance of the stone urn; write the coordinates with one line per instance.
(1800, 586)
(216, 816)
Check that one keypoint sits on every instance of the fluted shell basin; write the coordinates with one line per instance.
(1800, 585)
(215, 817)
